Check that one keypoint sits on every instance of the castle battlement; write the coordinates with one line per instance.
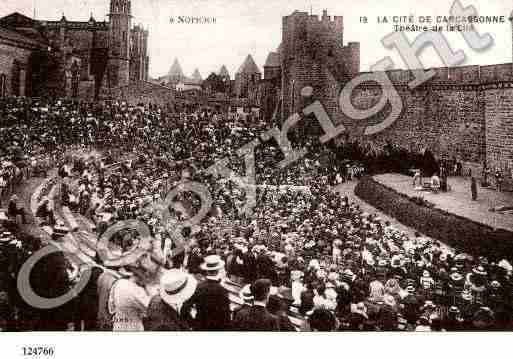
(453, 76)
(76, 25)
(310, 19)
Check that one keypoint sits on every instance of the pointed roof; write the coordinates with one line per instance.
(196, 76)
(17, 20)
(249, 66)
(24, 26)
(223, 72)
(279, 50)
(176, 70)
(273, 60)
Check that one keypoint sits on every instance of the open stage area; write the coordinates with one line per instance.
(458, 200)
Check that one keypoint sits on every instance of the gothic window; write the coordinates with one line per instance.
(15, 79)
(124, 36)
(75, 74)
(3, 85)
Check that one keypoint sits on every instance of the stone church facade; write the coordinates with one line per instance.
(75, 59)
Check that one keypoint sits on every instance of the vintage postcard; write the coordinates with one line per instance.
(241, 165)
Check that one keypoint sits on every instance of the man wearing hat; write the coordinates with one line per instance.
(258, 317)
(243, 311)
(210, 300)
(176, 287)
(13, 210)
(45, 213)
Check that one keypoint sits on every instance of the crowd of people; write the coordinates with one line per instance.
(304, 250)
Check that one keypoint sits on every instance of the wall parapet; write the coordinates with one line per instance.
(463, 76)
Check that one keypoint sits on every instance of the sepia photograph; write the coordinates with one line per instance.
(242, 166)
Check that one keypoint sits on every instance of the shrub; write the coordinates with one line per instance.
(456, 231)
(422, 202)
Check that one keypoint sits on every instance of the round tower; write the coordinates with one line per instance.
(119, 43)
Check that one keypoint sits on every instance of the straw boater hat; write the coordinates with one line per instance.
(6, 237)
(177, 286)
(495, 284)
(296, 275)
(466, 295)
(479, 271)
(456, 277)
(396, 262)
(454, 310)
(212, 263)
(245, 294)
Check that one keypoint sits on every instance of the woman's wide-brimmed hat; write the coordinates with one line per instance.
(124, 259)
(212, 263)
(177, 286)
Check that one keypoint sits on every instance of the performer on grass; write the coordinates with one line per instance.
(435, 183)
(498, 179)
(417, 178)
(473, 188)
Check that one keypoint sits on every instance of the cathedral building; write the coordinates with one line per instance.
(76, 59)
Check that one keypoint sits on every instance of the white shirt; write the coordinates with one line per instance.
(128, 303)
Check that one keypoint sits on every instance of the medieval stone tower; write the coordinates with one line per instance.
(313, 54)
(118, 70)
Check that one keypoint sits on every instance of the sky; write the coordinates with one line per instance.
(253, 27)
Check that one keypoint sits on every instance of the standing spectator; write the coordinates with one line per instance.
(258, 317)
(322, 320)
(45, 213)
(129, 299)
(242, 312)
(210, 301)
(176, 287)
(277, 307)
(3, 186)
(14, 211)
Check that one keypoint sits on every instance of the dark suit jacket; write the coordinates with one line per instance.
(161, 316)
(257, 318)
(212, 307)
(238, 315)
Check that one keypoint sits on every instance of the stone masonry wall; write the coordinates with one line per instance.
(313, 54)
(499, 128)
(464, 112)
(144, 92)
(9, 54)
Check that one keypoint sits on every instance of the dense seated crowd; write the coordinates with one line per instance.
(304, 249)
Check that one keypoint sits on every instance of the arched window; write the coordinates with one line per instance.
(75, 78)
(15, 79)
(3, 85)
